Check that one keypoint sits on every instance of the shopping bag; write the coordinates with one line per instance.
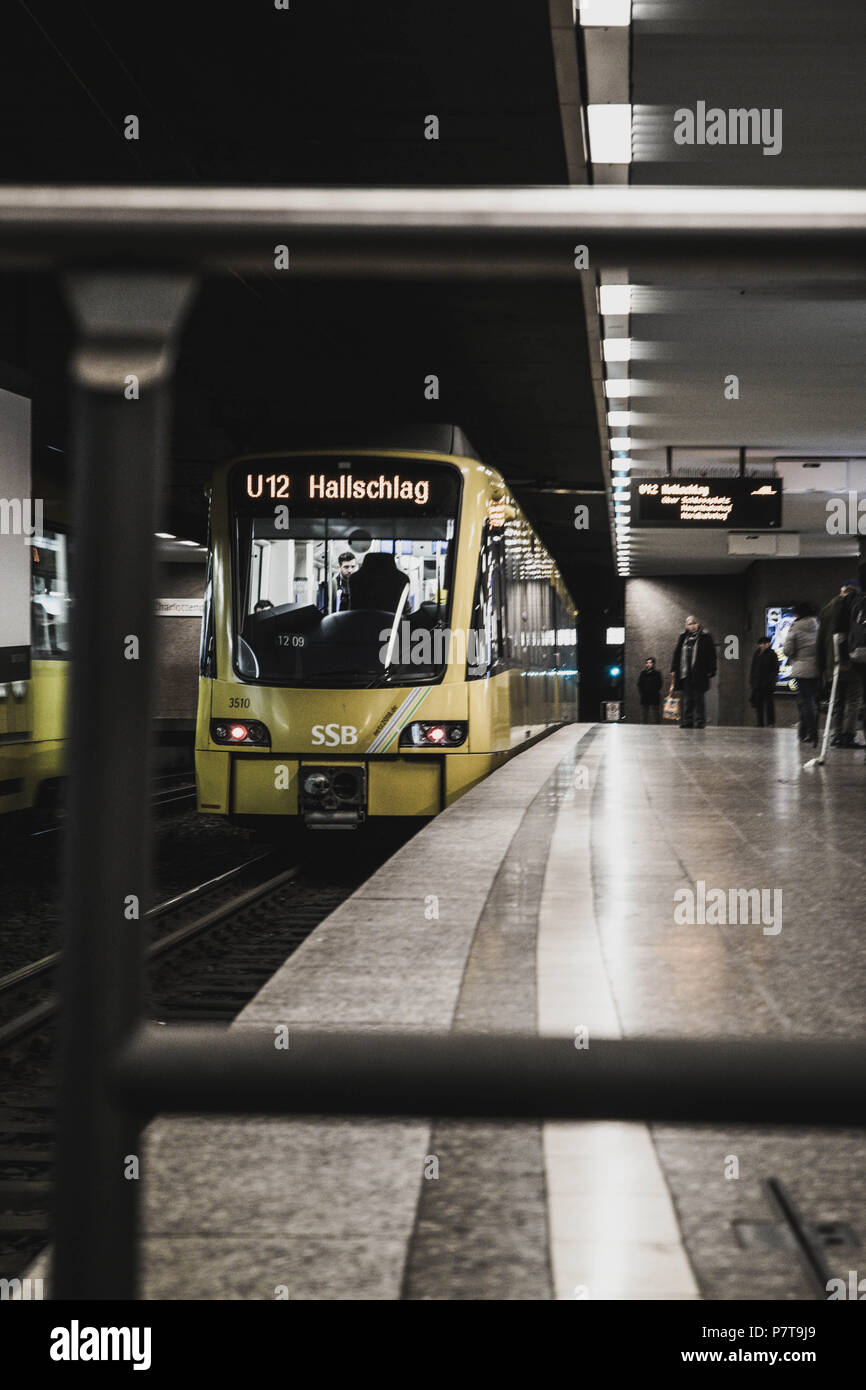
(671, 708)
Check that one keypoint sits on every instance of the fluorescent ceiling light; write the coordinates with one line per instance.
(621, 465)
(616, 387)
(164, 535)
(605, 14)
(614, 299)
(621, 442)
(609, 132)
(195, 543)
(617, 349)
(619, 417)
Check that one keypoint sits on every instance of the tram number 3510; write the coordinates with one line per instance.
(334, 734)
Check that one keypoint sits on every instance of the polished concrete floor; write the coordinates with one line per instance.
(578, 888)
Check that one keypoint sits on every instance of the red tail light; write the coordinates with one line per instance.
(249, 732)
(447, 734)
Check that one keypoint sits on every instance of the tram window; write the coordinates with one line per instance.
(49, 596)
(490, 609)
(326, 597)
(207, 654)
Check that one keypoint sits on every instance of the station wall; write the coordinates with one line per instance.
(178, 644)
(655, 614)
(727, 605)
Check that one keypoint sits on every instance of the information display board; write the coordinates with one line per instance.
(740, 503)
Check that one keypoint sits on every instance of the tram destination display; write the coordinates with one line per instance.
(381, 486)
(739, 503)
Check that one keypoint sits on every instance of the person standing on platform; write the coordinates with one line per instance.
(762, 681)
(856, 649)
(649, 684)
(834, 619)
(801, 649)
(693, 666)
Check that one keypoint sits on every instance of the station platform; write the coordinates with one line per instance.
(553, 898)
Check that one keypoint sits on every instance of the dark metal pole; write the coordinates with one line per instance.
(742, 461)
(669, 460)
(695, 1081)
(126, 322)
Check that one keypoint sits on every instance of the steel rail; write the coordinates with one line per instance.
(38, 967)
(41, 1014)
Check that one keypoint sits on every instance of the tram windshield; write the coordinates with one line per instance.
(343, 570)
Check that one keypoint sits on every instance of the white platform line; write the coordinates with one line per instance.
(613, 1230)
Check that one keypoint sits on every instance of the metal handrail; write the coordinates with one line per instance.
(511, 1077)
(391, 232)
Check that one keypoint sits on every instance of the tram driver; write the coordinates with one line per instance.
(333, 596)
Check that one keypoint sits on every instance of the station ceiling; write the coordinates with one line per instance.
(796, 346)
(341, 94)
(329, 95)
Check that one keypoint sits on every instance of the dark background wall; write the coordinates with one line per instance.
(727, 605)
(178, 643)
(655, 614)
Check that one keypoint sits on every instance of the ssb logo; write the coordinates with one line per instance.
(334, 734)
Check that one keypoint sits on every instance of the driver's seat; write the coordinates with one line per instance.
(379, 583)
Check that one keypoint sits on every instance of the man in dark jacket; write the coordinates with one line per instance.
(693, 666)
(649, 683)
(834, 619)
(762, 681)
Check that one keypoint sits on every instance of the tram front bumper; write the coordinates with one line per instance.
(328, 793)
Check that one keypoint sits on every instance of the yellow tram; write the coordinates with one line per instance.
(382, 628)
(34, 613)
(33, 695)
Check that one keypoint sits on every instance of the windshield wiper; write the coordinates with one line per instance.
(403, 678)
(364, 679)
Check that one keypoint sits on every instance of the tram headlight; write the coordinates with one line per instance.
(316, 784)
(240, 732)
(444, 733)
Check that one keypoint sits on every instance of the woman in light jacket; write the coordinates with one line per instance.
(801, 649)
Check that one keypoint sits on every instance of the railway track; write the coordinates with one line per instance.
(212, 949)
(40, 1012)
(181, 792)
